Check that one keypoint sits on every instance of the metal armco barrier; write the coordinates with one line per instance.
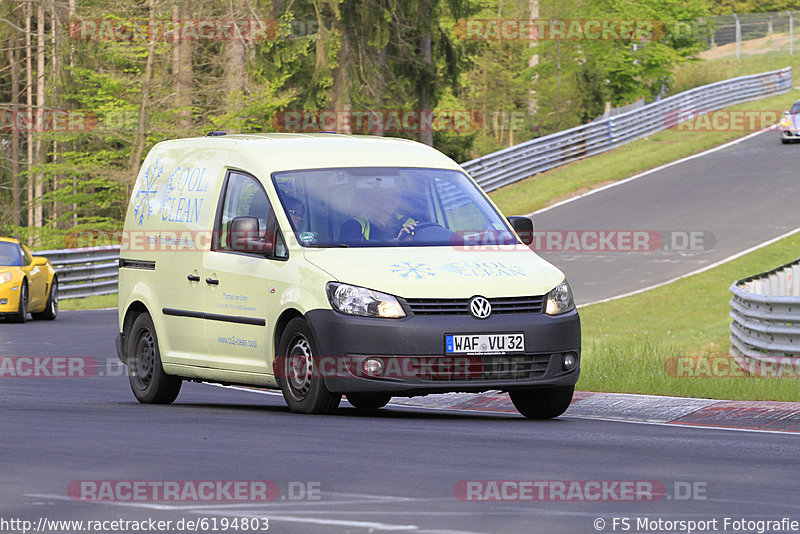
(83, 272)
(521, 161)
(94, 271)
(766, 319)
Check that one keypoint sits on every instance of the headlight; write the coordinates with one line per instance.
(5, 277)
(786, 121)
(560, 300)
(363, 302)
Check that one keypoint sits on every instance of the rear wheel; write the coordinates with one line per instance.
(22, 310)
(542, 403)
(299, 372)
(149, 383)
(368, 401)
(51, 309)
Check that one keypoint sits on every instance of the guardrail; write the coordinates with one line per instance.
(765, 332)
(521, 161)
(83, 272)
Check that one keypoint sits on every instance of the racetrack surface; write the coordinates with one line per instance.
(731, 200)
(396, 469)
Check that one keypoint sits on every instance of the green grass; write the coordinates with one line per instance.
(547, 188)
(89, 303)
(628, 343)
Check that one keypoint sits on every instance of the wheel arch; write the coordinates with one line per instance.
(135, 309)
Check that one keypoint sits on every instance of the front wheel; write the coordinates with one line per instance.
(149, 383)
(543, 403)
(368, 401)
(22, 309)
(51, 309)
(299, 372)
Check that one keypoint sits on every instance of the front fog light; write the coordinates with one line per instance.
(570, 361)
(560, 300)
(372, 366)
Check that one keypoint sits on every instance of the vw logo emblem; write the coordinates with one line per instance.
(480, 308)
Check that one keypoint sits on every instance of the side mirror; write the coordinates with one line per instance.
(38, 261)
(244, 236)
(523, 226)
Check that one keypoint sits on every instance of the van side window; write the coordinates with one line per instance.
(245, 196)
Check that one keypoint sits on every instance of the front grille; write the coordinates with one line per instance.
(474, 368)
(503, 305)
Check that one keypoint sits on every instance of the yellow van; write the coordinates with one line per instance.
(329, 265)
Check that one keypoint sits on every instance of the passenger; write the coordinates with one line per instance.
(296, 211)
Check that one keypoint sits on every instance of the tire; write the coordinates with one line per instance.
(368, 401)
(22, 310)
(149, 383)
(297, 371)
(51, 308)
(542, 403)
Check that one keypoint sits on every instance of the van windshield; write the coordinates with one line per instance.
(388, 206)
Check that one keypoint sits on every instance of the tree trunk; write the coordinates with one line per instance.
(15, 107)
(234, 53)
(39, 155)
(534, 59)
(182, 65)
(137, 147)
(29, 107)
(342, 102)
(71, 67)
(425, 82)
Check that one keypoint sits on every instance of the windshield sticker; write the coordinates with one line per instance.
(419, 271)
(307, 237)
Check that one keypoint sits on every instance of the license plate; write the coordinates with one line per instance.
(484, 343)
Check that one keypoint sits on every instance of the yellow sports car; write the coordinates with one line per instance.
(28, 284)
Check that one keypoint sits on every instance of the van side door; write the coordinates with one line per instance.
(242, 285)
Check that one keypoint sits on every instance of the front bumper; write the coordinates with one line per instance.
(413, 348)
(10, 295)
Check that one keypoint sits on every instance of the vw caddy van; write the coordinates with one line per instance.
(326, 265)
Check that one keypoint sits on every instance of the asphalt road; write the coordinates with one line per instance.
(706, 209)
(393, 470)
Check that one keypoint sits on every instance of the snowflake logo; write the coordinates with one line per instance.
(407, 269)
(147, 192)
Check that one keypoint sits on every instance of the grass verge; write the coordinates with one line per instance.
(628, 343)
(628, 160)
(89, 303)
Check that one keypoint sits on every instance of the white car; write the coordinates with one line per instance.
(790, 124)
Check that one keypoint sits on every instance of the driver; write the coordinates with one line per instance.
(380, 219)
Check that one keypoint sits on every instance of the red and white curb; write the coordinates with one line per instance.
(710, 413)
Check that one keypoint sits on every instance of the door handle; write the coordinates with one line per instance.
(193, 278)
(211, 281)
